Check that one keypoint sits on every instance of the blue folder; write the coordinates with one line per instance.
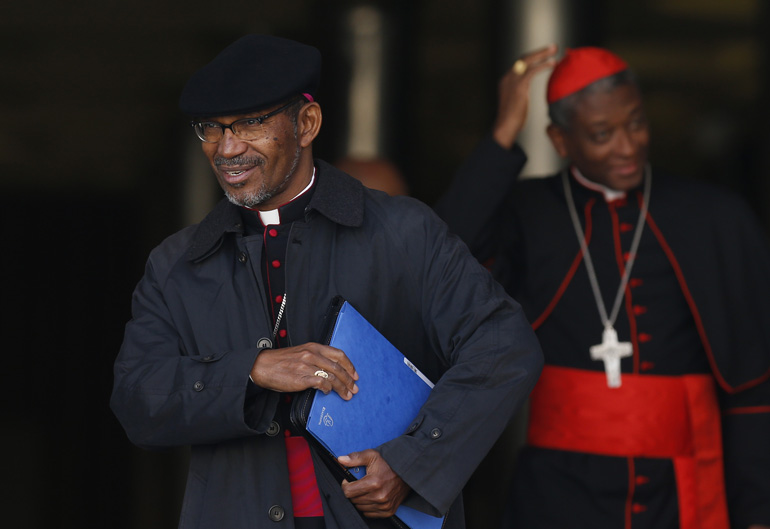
(391, 391)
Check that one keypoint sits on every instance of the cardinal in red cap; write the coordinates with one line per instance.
(622, 270)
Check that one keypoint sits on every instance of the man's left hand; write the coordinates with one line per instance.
(380, 492)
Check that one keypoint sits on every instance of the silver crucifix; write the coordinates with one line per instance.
(611, 351)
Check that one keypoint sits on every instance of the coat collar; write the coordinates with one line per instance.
(338, 197)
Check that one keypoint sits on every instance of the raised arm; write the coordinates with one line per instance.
(477, 197)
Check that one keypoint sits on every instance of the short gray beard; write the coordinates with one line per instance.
(253, 199)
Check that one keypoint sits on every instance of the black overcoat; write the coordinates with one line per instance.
(199, 313)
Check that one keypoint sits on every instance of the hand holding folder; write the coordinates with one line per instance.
(368, 497)
(289, 369)
(391, 392)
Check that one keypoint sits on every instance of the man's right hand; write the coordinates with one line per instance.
(513, 94)
(293, 369)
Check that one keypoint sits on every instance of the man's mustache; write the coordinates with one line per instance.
(238, 160)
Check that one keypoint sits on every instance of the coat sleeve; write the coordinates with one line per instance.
(164, 396)
(746, 435)
(493, 359)
(475, 201)
(746, 411)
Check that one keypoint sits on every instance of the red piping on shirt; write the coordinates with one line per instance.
(620, 258)
(570, 273)
(631, 487)
(745, 410)
(696, 316)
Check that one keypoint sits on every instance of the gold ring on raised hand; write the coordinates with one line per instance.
(519, 67)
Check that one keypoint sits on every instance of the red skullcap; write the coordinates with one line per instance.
(579, 68)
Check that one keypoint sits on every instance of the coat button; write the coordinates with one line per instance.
(264, 343)
(208, 358)
(198, 386)
(242, 257)
(273, 429)
(435, 433)
(276, 513)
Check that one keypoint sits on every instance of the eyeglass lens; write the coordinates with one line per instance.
(245, 129)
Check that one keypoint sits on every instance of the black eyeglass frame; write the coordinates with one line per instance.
(258, 119)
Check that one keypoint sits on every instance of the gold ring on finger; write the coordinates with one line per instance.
(321, 373)
(519, 67)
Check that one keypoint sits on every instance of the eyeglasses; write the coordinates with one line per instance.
(244, 129)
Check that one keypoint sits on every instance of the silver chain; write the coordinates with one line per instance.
(609, 321)
(280, 315)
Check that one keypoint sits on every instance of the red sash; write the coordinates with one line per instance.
(648, 416)
(305, 496)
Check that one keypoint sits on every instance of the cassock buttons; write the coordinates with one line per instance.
(273, 232)
(278, 299)
(282, 333)
(276, 264)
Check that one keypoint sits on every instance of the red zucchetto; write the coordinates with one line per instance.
(579, 68)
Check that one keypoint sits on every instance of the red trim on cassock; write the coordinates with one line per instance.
(745, 410)
(621, 259)
(631, 489)
(696, 315)
(672, 417)
(570, 273)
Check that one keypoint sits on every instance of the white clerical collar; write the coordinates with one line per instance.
(609, 194)
(273, 216)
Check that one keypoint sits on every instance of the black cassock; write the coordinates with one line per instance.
(696, 304)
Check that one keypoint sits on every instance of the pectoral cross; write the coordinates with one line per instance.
(611, 351)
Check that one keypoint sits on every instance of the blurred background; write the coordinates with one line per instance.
(97, 166)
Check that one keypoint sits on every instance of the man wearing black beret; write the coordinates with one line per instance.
(228, 314)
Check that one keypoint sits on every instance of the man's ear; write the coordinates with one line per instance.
(308, 123)
(558, 139)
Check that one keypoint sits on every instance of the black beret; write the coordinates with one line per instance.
(251, 74)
